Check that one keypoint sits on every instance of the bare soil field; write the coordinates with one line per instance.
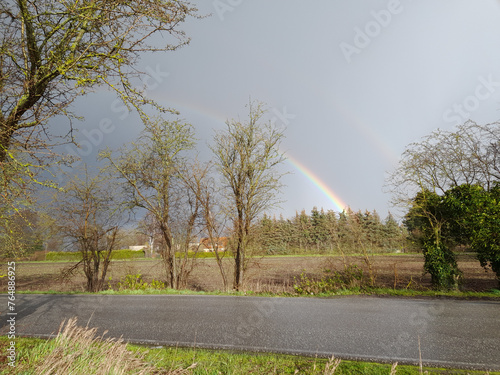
(267, 274)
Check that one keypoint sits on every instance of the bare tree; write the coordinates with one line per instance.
(247, 156)
(186, 224)
(204, 186)
(150, 170)
(445, 159)
(89, 217)
(51, 52)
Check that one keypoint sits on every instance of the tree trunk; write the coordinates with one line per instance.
(168, 255)
(240, 254)
(221, 267)
(238, 275)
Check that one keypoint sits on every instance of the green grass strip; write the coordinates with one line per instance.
(31, 350)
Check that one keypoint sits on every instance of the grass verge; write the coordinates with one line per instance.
(237, 363)
(77, 351)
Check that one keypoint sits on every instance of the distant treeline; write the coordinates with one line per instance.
(329, 231)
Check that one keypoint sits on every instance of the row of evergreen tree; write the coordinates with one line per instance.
(329, 231)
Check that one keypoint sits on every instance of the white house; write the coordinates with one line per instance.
(138, 248)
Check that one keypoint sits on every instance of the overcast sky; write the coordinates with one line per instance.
(353, 81)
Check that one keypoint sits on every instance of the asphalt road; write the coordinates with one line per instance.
(461, 334)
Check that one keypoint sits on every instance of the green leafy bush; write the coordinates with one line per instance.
(135, 282)
(441, 263)
(350, 278)
(156, 284)
(132, 282)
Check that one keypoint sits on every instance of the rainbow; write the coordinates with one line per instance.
(325, 189)
(339, 204)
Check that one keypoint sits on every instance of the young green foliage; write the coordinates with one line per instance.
(52, 52)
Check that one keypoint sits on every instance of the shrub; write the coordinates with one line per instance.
(441, 263)
(132, 282)
(156, 284)
(135, 282)
(351, 277)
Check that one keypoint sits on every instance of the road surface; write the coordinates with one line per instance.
(451, 333)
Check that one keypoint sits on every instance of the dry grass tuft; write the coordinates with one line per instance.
(77, 350)
(331, 365)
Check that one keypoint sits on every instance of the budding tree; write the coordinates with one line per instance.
(51, 52)
(151, 174)
(247, 156)
(88, 218)
(204, 186)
